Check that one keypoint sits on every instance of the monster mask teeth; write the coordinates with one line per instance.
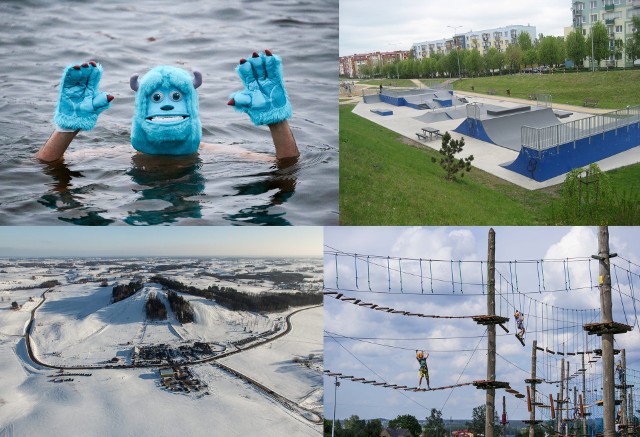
(167, 118)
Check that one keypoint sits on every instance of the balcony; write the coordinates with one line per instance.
(609, 21)
(609, 7)
(636, 3)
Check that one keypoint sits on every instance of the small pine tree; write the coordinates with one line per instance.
(449, 162)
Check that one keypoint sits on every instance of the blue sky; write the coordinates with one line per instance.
(381, 346)
(32, 241)
(373, 25)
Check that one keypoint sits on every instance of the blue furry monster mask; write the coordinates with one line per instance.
(166, 119)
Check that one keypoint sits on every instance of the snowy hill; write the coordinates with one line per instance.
(77, 325)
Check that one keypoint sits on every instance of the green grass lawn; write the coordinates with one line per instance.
(386, 179)
(389, 82)
(613, 89)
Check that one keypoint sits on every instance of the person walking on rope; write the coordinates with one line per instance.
(619, 370)
(422, 356)
(520, 324)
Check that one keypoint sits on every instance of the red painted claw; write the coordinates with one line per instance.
(76, 67)
(268, 53)
(93, 63)
(231, 102)
(255, 55)
(242, 61)
(85, 65)
(110, 97)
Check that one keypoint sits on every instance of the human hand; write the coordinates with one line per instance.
(264, 97)
(80, 101)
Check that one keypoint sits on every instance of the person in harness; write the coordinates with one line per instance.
(520, 325)
(422, 356)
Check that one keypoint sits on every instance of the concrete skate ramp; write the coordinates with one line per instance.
(506, 131)
(373, 98)
(546, 164)
(450, 114)
(418, 99)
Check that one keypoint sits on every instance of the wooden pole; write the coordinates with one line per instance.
(584, 398)
(623, 392)
(491, 335)
(560, 400)
(632, 415)
(608, 392)
(575, 409)
(532, 410)
(568, 395)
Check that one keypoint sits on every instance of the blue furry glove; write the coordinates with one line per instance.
(80, 102)
(264, 97)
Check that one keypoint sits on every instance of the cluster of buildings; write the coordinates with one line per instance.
(349, 65)
(616, 15)
(180, 379)
(499, 38)
(163, 354)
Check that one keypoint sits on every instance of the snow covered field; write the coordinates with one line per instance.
(77, 325)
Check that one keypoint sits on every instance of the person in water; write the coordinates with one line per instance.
(166, 120)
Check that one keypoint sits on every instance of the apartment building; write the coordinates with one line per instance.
(482, 40)
(616, 15)
(349, 65)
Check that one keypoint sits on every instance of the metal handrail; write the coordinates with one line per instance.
(551, 136)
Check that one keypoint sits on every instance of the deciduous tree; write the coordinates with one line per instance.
(600, 45)
(576, 47)
(406, 421)
(435, 424)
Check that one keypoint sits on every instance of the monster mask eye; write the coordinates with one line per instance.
(157, 97)
(176, 96)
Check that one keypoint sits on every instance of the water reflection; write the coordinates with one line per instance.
(283, 180)
(62, 197)
(175, 181)
(170, 189)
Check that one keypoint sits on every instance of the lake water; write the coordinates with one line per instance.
(102, 180)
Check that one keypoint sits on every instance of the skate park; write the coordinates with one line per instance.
(532, 143)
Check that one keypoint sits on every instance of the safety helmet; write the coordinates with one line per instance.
(517, 313)
(419, 354)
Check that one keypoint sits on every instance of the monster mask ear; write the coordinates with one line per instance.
(133, 82)
(197, 79)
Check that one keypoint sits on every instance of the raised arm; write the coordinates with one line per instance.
(56, 145)
(79, 104)
(265, 100)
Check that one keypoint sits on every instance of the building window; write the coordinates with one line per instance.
(594, 5)
(618, 29)
(594, 18)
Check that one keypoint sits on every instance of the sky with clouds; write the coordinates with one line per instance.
(381, 346)
(379, 25)
(33, 241)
